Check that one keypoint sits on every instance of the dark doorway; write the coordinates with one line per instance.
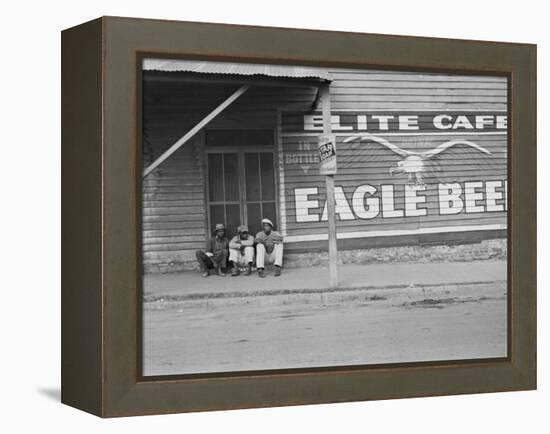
(241, 179)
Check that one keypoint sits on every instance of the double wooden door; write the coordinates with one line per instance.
(241, 180)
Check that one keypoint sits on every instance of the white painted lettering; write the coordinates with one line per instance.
(313, 123)
(408, 122)
(438, 122)
(342, 206)
(484, 120)
(449, 198)
(383, 123)
(388, 205)
(462, 122)
(304, 204)
(491, 196)
(412, 200)
(502, 122)
(365, 207)
(361, 122)
(472, 196)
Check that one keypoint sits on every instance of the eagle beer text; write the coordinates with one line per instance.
(368, 201)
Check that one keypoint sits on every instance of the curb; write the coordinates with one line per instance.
(403, 295)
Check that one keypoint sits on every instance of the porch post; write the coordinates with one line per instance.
(195, 129)
(331, 203)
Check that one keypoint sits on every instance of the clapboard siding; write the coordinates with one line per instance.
(174, 196)
(173, 202)
(404, 91)
(368, 163)
(174, 216)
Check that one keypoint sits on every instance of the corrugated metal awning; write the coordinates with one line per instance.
(243, 69)
(245, 74)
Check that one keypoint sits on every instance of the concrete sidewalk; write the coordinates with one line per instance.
(192, 286)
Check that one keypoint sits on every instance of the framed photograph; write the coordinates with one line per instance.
(256, 216)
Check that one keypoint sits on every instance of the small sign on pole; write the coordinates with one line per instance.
(327, 154)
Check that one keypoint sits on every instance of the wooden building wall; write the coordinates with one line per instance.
(174, 213)
(174, 204)
(365, 93)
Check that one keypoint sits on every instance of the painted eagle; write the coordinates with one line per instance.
(417, 164)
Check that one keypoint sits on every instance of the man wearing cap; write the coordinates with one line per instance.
(269, 247)
(241, 251)
(215, 253)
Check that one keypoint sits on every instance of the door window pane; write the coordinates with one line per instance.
(231, 176)
(252, 179)
(215, 181)
(233, 216)
(254, 217)
(267, 176)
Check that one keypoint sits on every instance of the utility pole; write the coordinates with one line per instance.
(327, 166)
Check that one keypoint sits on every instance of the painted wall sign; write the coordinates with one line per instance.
(327, 154)
(399, 172)
(387, 201)
(417, 164)
(305, 156)
(360, 121)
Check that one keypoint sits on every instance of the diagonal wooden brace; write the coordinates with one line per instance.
(195, 130)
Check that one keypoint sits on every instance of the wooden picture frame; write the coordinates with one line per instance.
(101, 263)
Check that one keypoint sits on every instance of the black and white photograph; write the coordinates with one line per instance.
(302, 216)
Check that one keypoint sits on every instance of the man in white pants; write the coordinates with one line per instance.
(269, 248)
(241, 251)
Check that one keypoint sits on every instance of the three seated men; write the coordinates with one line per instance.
(267, 246)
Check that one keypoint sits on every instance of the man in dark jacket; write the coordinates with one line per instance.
(214, 255)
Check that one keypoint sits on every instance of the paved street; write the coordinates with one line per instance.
(187, 339)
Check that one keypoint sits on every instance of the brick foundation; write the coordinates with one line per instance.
(484, 250)
(487, 249)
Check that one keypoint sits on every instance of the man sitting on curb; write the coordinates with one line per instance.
(269, 247)
(215, 254)
(241, 251)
